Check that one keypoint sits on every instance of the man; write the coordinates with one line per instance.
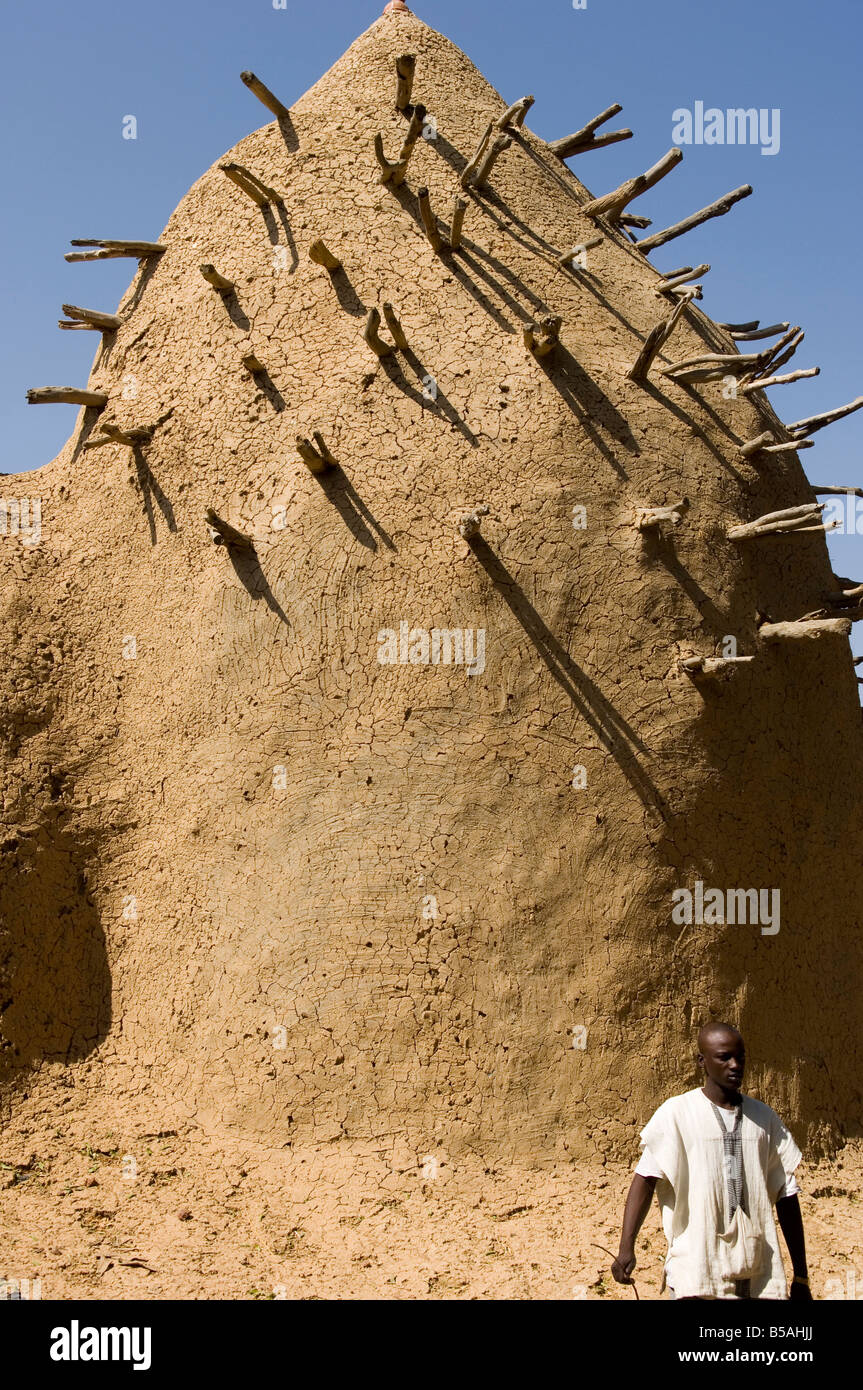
(708, 1153)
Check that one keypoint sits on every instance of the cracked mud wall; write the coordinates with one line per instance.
(238, 837)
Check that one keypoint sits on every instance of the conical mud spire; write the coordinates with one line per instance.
(481, 753)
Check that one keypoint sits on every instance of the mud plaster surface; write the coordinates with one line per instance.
(300, 908)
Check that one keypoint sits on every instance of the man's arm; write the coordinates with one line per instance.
(637, 1206)
(791, 1223)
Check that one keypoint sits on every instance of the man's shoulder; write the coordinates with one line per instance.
(762, 1114)
(675, 1105)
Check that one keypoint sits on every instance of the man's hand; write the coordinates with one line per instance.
(624, 1265)
(799, 1293)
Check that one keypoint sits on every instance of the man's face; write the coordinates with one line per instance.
(723, 1057)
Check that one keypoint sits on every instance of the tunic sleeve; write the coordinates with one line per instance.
(783, 1160)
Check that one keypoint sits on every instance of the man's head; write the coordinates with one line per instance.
(722, 1056)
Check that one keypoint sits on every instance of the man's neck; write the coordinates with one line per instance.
(726, 1100)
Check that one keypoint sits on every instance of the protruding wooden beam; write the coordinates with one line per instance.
(373, 338)
(739, 327)
(543, 337)
(717, 209)
(65, 395)
(212, 277)
(713, 668)
(516, 114)
(754, 446)
(395, 173)
(415, 130)
(316, 460)
(90, 318)
(250, 184)
(753, 334)
(429, 219)
(112, 434)
(790, 447)
(570, 259)
(804, 628)
(113, 250)
(583, 140)
(325, 452)
(786, 522)
(763, 383)
(651, 518)
(405, 71)
(631, 219)
(613, 204)
(264, 95)
(394, 325)
(227, 533)
(675, 281)
(469, 526)
(713, 366)
(253, 365)
(826, 487)
(459, 208)
(654, 342)
(322, 255)
(791, 340)
(473, 163)
(818, 422)
(490, 158)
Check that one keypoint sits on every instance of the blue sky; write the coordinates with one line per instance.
(73, 72)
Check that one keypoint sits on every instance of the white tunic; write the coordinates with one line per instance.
(686, 1145)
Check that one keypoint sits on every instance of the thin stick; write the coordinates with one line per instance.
(782, 632)
(672, 282)
(735, 363)
(793, 337)
(613, 204)
(405, 70)
(373, 338)
(655, 340)
(325, 453)
(717, 209)
(230, 535)
(493, 153)
(473, 163)
(91, 318)
(322, 255)
(584, 139)
(751, 335)
(429, 219)
(243, 182)
(315, 462)
(212, 276)
(791, 447)
(516, 114)
(124, 248)
(752, 446)
(570, 258)
(395, 327)
(739, 327)
(819, 422)
(65, 395)
(612, 137)
(264, 95)
(763, 382)
(825, 487)
(630, 1280)
(459, 208)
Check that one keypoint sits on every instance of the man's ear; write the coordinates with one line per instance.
(700, 1059)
